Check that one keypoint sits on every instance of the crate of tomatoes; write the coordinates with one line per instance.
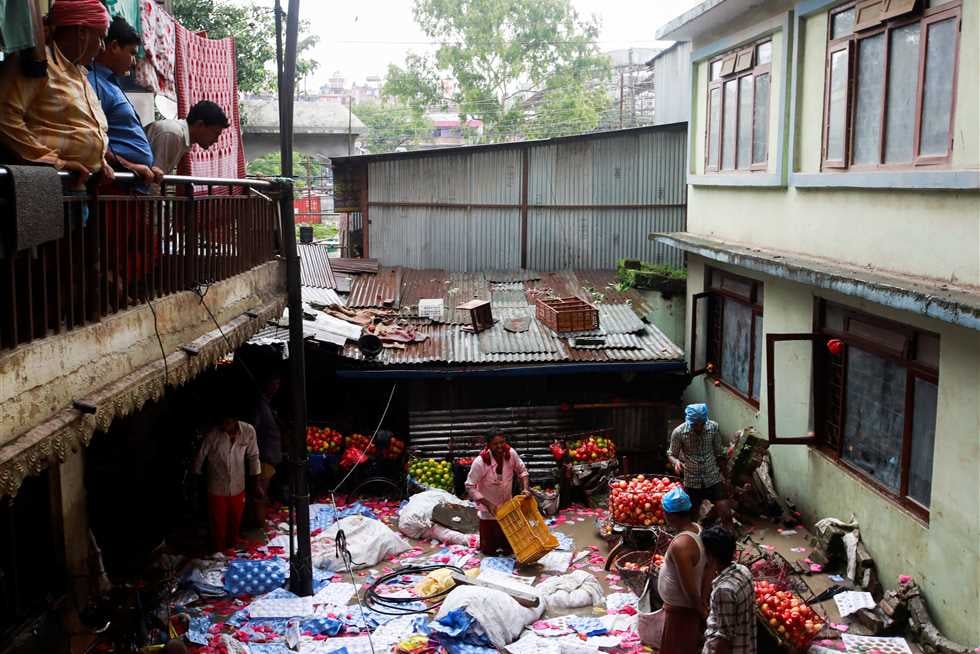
(636, 500)
(786, 616)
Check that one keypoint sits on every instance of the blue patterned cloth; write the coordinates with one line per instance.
(324, 515)
(248, 577)
(505, 564)
(268, 648)
(587, 626)
(565, 542)
(321, 626)
(199, 630)
(458, 632)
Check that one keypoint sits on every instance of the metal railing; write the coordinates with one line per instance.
(129, 248)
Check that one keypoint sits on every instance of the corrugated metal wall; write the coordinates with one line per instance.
(530, 430)
(672, 85)
(591, 200)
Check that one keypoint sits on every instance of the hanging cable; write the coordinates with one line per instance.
(343, 553)
(370, 443)
(163, 351)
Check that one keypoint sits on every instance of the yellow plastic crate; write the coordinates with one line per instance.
(525, 529)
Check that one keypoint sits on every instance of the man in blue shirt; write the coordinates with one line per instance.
(129, 148)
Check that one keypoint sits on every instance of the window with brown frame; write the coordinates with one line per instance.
(737, 131)
(890, 84)
(876, 389)
(729, 330)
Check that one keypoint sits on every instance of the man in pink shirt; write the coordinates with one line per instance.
(490, 484)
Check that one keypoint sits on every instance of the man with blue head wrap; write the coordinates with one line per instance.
(697, 452)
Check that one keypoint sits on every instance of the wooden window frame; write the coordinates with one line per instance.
(714, 294)
(886, 25)
(913, 370)
(754, 70)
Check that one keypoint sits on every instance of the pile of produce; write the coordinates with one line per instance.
(432, 473)
(464, 461)
(592, 449)
(394, 450)
(638, 500)
(657, 560)
(352, 456)
(360, 442)
(557, 450)
(787, 616)
(323, 440)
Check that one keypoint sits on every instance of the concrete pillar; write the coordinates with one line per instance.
(69, 513)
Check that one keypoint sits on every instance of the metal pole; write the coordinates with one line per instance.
(301, 565)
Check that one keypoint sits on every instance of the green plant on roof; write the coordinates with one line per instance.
(634, 273)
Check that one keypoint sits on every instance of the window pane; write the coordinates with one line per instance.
(881, 336)
(737, 331)
(902, 83)
(728, 131)
(937, 100)
(923, 440)
(760, 127)
(927, 350)
(736, 285)
(716, 70)
(745, 122)
(757, 361)
(843, 24)
(867, 113)
(714, 126)
(763, 53)
(875, 416)
(837, 106)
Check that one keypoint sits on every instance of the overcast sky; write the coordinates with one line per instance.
(361, 37)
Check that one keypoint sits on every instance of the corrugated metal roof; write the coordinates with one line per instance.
(625, 337)
(380, 290)
(315, 269)
(345, 265)
(323, 297)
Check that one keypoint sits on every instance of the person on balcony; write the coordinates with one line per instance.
(490, 485)
(232, 455)
(129, 148)
(171, 140)
(56, 119)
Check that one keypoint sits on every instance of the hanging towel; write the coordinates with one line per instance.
(38, 210)
(155, 69)
(16, 26)
(205, 70)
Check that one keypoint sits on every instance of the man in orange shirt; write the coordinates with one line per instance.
(56, 119)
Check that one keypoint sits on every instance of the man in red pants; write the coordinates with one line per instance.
(231, 452)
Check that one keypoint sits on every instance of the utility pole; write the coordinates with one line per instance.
(301, 562)
(620, 99)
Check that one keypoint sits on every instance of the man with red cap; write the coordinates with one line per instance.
(56, 119)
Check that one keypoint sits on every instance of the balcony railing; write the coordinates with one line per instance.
(131, 248)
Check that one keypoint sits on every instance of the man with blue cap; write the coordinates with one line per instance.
(697, 451)
(681, 584)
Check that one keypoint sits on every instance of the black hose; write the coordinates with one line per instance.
(398, 605)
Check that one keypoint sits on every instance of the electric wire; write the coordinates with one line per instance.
(400, 605)
(343, 553)
(163, 351)
(370, 443)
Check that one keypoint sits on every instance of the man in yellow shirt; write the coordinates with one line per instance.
(57, 119)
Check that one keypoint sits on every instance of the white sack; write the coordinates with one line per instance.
(497, 612)
(368, 540)
(415, 518)
(571, 591)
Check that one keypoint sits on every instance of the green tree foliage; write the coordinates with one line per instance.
(270, 166)
(254, 30)
(525, 67)
(391, 126)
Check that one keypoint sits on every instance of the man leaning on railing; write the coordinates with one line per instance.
(56, 118)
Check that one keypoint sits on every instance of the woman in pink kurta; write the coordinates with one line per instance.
(490, 484)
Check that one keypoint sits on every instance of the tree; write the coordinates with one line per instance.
(391, 126)
(254, 29)
(522, 66)
(270, 165)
